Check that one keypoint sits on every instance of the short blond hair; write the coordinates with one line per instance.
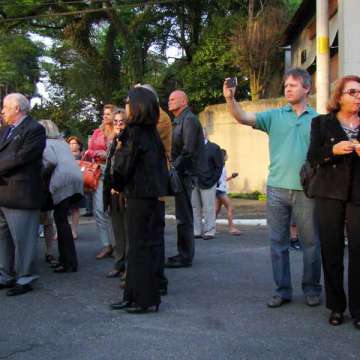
(51, 129)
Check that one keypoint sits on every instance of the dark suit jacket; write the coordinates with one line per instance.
(211, 165)
(21, 164)
(187, 143)
(338, 176)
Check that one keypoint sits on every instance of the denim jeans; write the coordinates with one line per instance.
(102, 218)
(281, 203)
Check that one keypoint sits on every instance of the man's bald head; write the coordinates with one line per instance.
(178, 101)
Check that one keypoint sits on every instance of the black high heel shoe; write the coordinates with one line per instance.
(141, 310)
(336, 318)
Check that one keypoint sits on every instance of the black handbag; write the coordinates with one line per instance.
(176, 186)
(307, 178)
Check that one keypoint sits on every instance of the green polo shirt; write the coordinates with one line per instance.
(289, 139)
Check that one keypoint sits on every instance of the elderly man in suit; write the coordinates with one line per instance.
(22, 141)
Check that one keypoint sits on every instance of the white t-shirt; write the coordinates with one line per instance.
(222, 183)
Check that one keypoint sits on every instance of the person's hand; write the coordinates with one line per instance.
(234, 175)
(343, 148)
(101, 154)
(228, 92)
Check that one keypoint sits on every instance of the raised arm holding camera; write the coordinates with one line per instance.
(288, 128)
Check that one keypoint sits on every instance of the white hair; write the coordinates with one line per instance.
(20, 100)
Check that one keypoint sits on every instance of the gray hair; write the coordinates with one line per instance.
(299, 74)
(51, 129)
(20, 100)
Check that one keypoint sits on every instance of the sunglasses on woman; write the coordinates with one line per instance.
(352, 92)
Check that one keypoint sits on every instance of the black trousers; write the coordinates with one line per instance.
(158, 228)
(66, 246)
(142, 283)
(334, 216)
(185, 221)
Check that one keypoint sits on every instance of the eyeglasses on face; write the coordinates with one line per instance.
(352, 92)
(119, 122)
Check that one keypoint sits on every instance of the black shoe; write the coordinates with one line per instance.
(120, 305)
(178, 264)
(276, 301)
(8, 285)
(336, 318)
(88, 214)
(19, 290)
(295, 244)
(357, 324)
(208, 237)
(141, 310)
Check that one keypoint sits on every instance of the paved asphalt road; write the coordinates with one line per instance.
(214, 310)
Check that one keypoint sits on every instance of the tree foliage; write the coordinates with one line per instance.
(99, 49)
(256, 43)
(19, 63)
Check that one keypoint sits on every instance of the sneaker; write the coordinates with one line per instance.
(312, 300)
(276, 301)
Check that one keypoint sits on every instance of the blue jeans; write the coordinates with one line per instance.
(281, 203)
(102, 219)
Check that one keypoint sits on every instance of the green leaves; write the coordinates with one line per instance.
(19, 63)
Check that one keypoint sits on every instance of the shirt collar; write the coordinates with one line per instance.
(181, 115)
(308, 109)
(17, 123)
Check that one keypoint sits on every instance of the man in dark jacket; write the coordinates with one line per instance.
(22, 141)
(203, 195)
(187, 149)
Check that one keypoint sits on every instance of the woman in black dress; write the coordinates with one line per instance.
(140, 171)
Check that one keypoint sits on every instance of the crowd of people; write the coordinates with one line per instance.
(144, 157)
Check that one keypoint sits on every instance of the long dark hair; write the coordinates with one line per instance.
(144, 107)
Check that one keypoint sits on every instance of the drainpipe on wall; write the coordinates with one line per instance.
(322, 56)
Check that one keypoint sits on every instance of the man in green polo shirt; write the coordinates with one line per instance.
(289, 137)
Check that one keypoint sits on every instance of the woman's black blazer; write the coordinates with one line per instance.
(338, 176)
(140, 167)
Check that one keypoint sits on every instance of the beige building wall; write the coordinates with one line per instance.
(247, 148)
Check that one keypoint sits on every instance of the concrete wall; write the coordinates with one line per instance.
(247, 148)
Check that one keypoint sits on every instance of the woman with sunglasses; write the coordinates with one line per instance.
(114, 202)
(335, 153)
(140, 171)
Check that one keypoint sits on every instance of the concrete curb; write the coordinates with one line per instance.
(247, 222)
(251, 222)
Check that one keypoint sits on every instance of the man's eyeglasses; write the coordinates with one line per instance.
(352, 92)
